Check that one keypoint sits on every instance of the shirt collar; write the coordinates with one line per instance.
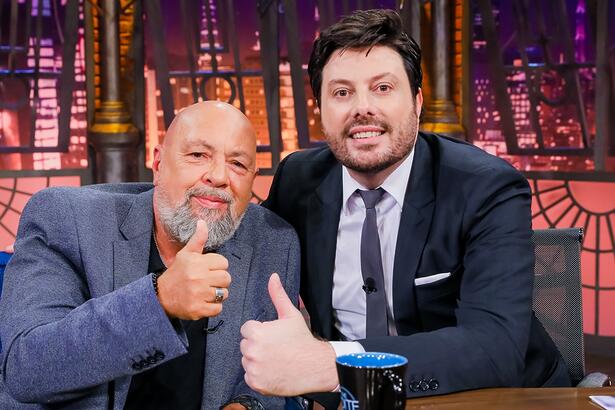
(395, 184)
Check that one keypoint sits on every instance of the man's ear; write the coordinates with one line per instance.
(418, 102)
(156, 164)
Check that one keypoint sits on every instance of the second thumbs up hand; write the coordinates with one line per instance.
(281, 357)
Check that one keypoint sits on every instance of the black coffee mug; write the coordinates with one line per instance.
(372, 381)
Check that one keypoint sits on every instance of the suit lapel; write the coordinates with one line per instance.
(321, 237)
(130, 262)
(222, 345)
(131, 253)
(416, 216)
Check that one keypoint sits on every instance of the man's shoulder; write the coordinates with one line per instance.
(122, 188)
(302, 171)
(321, 154)
(96, 191)
(259, 220)
(87, 199)
(464, 158)
(313, 159)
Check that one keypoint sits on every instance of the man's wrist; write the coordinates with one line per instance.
(249, 402)
(155, 276)
(158, 283)
(234, 406)
(328, 371)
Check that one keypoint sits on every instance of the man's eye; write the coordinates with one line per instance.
(238, 165)
(384, 88)
(341, 93)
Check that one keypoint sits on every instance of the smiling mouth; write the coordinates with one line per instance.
(211, 202)
(366, 134)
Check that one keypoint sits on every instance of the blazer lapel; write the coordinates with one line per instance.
(222, 345)
(416, 216)
(321, 238)
(131, 253)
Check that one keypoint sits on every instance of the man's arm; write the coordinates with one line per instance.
(57, 340)
(281, 357)
(290, 282)
(488, 344)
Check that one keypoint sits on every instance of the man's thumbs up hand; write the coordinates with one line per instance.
(281, 357)
(191, 287)
(282, 303)
(196, 244)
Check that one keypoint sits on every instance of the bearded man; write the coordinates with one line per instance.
(411, 243)
(132, 295)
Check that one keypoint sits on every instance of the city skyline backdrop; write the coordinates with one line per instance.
(557, 201)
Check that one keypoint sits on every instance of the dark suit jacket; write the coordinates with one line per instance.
(465, 212)
(78, 308)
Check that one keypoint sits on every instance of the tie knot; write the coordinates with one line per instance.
(371, 197)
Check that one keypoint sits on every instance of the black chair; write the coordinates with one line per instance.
(4, 259)
(557, 298)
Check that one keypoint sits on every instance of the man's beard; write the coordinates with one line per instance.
(179, 222)
(402, 143)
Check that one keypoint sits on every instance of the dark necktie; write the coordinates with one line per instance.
(371, 267)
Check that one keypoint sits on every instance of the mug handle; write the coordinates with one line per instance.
(396, 381)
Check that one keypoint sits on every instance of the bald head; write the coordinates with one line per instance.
(206, 116)
(205, 166)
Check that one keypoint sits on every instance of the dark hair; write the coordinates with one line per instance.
(366, 29)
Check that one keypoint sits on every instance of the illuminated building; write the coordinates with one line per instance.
(47, 110)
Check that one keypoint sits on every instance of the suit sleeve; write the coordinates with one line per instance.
(59, 343)
(487, 345)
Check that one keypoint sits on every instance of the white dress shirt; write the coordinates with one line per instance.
(349, 305)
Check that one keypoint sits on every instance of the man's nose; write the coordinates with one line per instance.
(362, 105)
(217, 173)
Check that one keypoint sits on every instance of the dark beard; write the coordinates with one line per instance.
(399, 150)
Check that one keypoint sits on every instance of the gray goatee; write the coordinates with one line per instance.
(180, 221)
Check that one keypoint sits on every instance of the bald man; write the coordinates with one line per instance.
(131, 296)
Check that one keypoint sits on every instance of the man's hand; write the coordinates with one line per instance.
(281, 357)
(187, 289)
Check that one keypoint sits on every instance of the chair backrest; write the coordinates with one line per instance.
(557, 293)
(4, 259)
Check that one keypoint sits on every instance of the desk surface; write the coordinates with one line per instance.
(513, 399)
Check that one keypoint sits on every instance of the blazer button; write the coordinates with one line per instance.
(151, 360)
(136, 366)
(414, 386)
(159, 355)
(143, 363)
(423, 385)
(433, 384)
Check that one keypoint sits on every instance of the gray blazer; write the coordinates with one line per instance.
(78, 307)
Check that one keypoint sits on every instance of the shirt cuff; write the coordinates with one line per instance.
(342, 348)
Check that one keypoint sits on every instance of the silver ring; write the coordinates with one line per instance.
(219, 295)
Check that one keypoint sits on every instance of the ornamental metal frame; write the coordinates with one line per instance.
(29, 76)
(568, 70)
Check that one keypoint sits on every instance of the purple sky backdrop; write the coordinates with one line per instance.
(246, 25)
